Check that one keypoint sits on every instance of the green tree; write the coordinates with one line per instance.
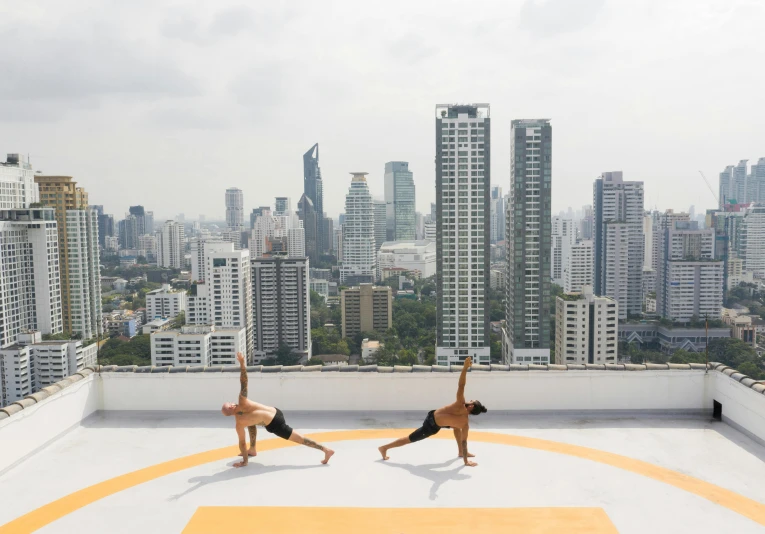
(732, 352)
(315, 361)
(178, 321)
(752, 370)
(683, 356)
(285, 356)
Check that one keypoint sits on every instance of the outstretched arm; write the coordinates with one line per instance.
(242, 447)
(242, 377)
(458, 437)
(463, 379)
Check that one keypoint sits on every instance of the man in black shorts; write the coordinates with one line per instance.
(454, 416)
(249, 414)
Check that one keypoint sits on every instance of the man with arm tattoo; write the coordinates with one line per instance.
(249, 414)
(454, 416)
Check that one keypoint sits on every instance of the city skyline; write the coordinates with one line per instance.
(158, 107)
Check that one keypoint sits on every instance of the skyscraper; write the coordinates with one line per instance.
(400, 201)
(281, 306)
(171, 245)
(140, 217)
(619, 243)
(563, 238)
(313, 190)
(78, 253)
(84, 289)
(660, 222)
(381, 229)
(307, 214)
(527, 234)
(497, 215)
(17, 183)
(105, 226)
(282, 206)
(359, 261)
(690, 280)
(30, 286)
(234, 209)
(463, 178)
(224, 299)
(578, 271)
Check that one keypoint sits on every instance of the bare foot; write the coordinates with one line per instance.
(471, 464)
(327, 455)
(383, 451)
(250, 453)
(470, 455)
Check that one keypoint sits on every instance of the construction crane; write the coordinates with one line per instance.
(710, 188)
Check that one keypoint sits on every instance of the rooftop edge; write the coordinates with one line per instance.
(34, 398)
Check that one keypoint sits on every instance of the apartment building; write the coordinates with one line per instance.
(165, 302)
(197, 345)
(366, 308)
(578, 271)
(586, 328)
(30, 286)
(281, 306)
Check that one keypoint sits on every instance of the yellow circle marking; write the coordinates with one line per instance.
(57, 509)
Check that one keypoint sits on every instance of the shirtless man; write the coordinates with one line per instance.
(454, 416)
(250, 414)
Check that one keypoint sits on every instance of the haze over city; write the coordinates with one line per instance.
(187, 100)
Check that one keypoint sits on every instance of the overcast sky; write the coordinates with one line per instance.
(167, 104)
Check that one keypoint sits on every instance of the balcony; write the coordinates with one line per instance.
(615, 443)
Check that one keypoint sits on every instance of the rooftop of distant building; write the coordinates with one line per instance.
(575, 449)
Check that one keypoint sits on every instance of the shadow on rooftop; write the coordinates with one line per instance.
(253, 469)
(432, 473)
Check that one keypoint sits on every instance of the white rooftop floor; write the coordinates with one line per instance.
(422, 475)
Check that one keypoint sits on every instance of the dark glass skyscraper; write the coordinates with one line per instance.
(312, 188)
(527, 236)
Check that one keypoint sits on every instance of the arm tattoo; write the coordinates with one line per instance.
(243, 382)
(253, 434)
(464, 450)
(311, 443)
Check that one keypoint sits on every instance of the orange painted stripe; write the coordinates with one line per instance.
(57, 509)
(287, 520)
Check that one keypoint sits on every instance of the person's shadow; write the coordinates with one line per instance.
(432, 473)
(253, 469)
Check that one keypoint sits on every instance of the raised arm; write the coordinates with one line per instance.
(242, 377)
(463, 379)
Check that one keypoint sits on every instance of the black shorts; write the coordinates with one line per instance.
(428, 428)
(278, 426)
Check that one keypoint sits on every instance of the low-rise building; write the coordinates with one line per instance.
(369, 348)
(32, 364)
(585, 328)
(165, 302)
(321, 286)
(156, 325)
(414, 256)
(669, 338)
(742, 326)
(122, 326)
(366, 308)
(197, 345)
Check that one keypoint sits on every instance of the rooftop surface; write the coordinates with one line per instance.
(172, 472)
(132, 452)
